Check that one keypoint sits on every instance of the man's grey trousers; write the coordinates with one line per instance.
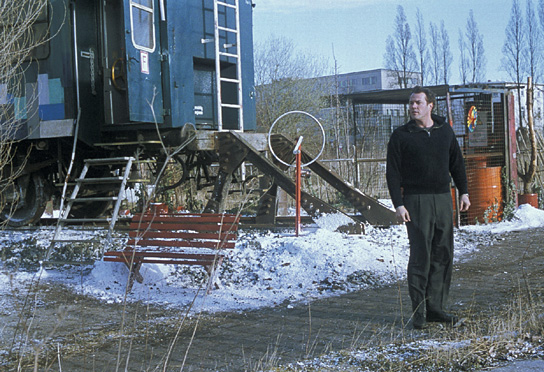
(430, 233)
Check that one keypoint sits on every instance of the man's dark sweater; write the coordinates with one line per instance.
(421, 161)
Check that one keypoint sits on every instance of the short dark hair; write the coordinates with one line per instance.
(429, 94)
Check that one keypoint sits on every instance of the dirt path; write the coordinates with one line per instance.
(88, 330)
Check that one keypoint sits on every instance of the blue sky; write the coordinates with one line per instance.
(358, 29)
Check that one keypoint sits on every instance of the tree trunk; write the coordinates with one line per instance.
(529, 177)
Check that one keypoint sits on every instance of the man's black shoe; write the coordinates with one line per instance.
(418, 321)
(442, 318)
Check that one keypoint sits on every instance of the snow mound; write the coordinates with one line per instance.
(525, 217)
(264, 269)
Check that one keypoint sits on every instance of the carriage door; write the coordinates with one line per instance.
(140, 68)
(132, 54)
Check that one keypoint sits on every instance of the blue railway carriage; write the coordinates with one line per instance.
(111, 72)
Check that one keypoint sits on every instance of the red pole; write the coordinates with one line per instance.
(298, 156)
(297, 222)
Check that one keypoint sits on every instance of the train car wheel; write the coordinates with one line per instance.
(26, 202)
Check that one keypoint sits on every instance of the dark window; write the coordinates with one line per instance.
(143, 32)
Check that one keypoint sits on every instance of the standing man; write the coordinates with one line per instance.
(422, 157)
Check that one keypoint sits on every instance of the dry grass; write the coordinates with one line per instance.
(482, 340)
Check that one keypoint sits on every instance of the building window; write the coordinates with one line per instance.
(141, 19)
(371, 80)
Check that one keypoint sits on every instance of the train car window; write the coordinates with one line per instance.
(32, 40)
(40, 32)
(143, 32)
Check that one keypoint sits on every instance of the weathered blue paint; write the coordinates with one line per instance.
(50, 98)
(188, 66)
(179, 77)
(144, 85)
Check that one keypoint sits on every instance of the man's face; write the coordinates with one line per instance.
(419, 108)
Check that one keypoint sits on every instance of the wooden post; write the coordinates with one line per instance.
(529, 177)
(355, 155)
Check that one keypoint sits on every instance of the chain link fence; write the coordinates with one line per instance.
(480, 122)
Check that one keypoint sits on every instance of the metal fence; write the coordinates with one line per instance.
(480, 123)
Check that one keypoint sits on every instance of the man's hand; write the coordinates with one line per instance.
(402, 214)
(464, 203)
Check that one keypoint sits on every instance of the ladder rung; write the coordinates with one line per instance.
(228, 80)
(229, 54)
(233, 30)
(123, 159)
(93, 199)
(100, 180)
(233, 6)
(131, 143)
(230, 105)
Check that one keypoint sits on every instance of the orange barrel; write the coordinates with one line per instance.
(531, 199)
(485, 190)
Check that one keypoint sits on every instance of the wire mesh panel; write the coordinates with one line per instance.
(375, 125)
(480, 125)
(479, 122)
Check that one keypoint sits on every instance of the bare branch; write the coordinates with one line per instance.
(476, 52)
(399, 54)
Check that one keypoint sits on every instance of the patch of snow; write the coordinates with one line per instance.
(332, 222)
(264, 269)
(525, 217)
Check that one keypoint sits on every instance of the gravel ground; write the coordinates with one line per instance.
(94, 336)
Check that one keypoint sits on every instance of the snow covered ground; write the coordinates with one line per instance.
(265, 269)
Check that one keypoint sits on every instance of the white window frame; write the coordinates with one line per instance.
(132, 31)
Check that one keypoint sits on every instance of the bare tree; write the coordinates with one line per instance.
(533, 63)
(463, 59)
(540, 12)
(527, 169)
(421, 46)
(399, 51)
(514, 49)
(21, 35)
(445, 52)
(284, 79)
(340, 141)
(436, 71)
(476, 51)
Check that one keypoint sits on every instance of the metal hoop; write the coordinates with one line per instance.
(296, 112)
